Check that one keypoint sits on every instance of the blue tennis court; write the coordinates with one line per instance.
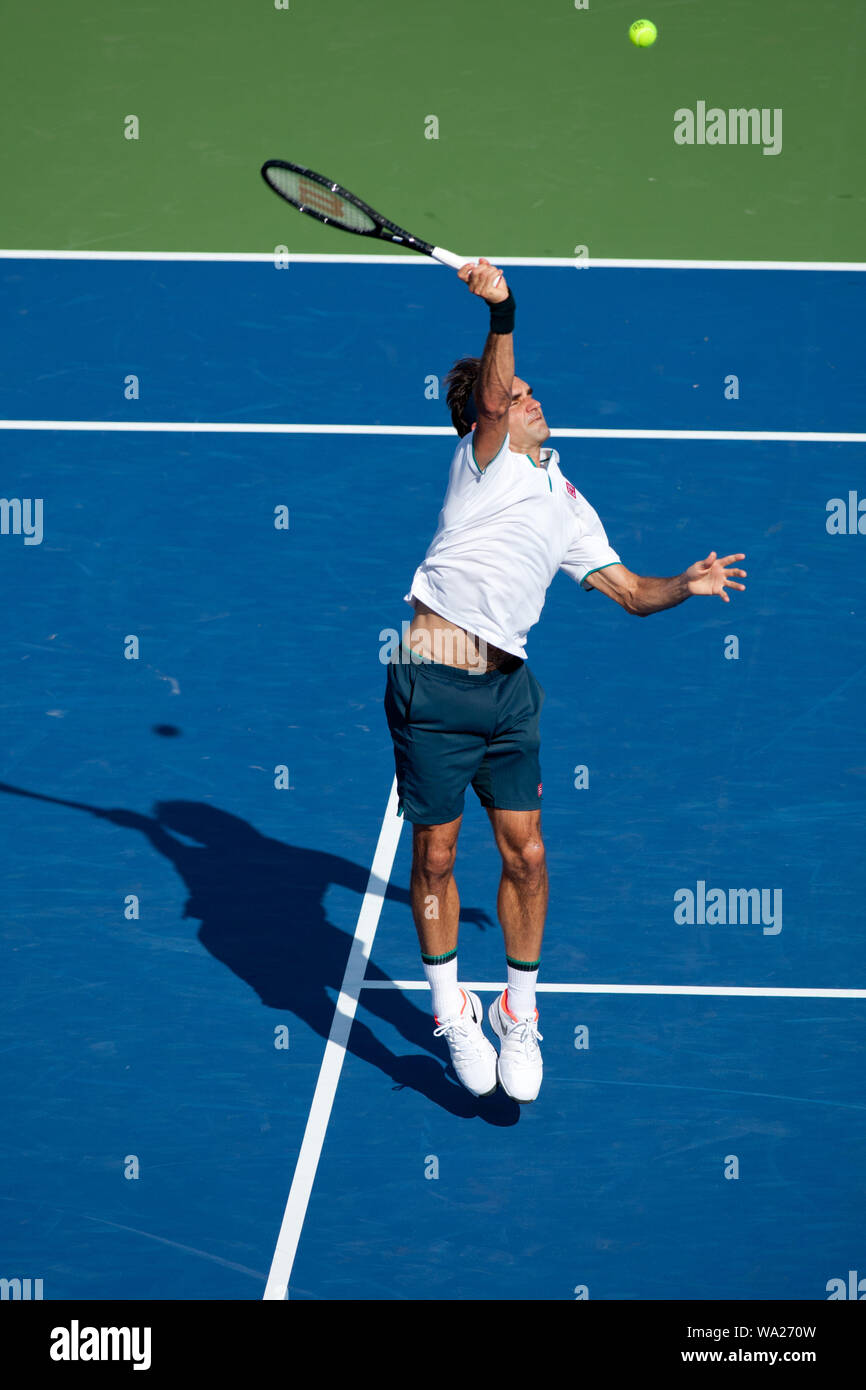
(197, 773)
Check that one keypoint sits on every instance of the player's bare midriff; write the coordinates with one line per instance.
(436, 639)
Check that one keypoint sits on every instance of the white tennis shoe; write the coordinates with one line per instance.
(473, 1057)
(519, 1066)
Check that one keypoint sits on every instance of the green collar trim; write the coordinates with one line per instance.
(538, 465)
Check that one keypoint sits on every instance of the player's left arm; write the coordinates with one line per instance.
(642, 594)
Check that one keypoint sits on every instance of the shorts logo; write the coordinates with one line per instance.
(571, 489)
(539, 789)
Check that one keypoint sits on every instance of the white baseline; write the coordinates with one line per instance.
(247, 427)
(398, 258)
(756, 991)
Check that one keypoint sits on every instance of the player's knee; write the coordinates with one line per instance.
(526, 861)
(434, 859)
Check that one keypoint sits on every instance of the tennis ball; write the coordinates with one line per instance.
(643, 32)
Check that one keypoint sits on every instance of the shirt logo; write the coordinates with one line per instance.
(539, 789)
(571, 489)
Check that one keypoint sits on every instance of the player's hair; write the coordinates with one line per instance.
(461, 382)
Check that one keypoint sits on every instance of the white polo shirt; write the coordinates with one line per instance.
(503, 533)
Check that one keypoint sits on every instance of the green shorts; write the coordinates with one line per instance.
(453, 728)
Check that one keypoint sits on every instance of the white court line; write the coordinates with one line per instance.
(221, 427)
(335, 1051)
(764, 991)
(321, 258)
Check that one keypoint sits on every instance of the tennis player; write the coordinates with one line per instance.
(461, 702)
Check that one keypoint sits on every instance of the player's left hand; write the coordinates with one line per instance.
(713, 575)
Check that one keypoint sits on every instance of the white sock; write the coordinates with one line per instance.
(441, 975)
(522, 977)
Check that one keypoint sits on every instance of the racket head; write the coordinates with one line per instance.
(329, 202)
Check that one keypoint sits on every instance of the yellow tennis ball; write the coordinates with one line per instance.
(643, 32)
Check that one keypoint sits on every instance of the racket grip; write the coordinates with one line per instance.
(448, 258)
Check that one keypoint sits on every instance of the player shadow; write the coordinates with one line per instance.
(260, 903)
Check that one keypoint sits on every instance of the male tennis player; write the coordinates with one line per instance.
(462, 704)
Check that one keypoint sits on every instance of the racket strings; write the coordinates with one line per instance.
(326, 202)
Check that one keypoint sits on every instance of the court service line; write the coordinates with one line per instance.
(357, 258)
(247, 427)
(764, 991)
(277, 1286)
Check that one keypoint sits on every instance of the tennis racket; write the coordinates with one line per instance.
(319, 197)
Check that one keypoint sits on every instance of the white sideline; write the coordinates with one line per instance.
(277, 1287)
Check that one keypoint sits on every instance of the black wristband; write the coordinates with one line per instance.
(502, 315)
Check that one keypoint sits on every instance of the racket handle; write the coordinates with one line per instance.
(456, 262)
(448, 258)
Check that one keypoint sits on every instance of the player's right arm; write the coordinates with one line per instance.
(496, 375)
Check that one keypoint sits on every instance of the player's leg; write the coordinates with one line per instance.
(522, 906)
(437, 750)
(436, 911)
(509, 787)
(508, 784)
(522, 899)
